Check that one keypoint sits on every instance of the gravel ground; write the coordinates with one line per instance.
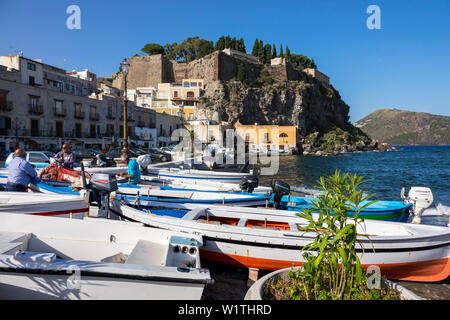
(231, 284)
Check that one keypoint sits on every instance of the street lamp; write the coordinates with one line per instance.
(124, 66)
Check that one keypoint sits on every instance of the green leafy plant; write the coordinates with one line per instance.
(332, 268)
(335, 261)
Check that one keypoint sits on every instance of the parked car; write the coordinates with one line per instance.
(159, 156)
(39, 159)
(117, 152)
(81, 154)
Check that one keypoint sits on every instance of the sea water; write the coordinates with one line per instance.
(426, 166)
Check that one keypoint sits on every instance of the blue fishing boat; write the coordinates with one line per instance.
(381, 210)
(162, 194)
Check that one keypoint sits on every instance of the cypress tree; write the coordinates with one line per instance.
(288, 53)
(220, 44)
(267, 53)
(274, 51)
(255, 49)
(242, 46)
(281, 51)
(227, 42)
(261, 52)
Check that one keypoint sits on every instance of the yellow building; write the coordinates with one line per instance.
(268, 137)
(179, 99)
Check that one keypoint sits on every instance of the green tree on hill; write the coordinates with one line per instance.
(241, 45)
(255, 49)
(281, 51)
(152, 48)
(274, 51)
(241, 76)
(267, 53)
(220, 44)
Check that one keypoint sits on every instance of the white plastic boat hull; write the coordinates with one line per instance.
(43, 204)
(236, 236)
(76, 259)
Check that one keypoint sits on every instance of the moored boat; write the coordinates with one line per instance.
(273, 239)
(61, 205)
(381, 210)
(47, 258)
(160, 193)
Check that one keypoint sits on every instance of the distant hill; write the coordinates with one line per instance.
(401, 127)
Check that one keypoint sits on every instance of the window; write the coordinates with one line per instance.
(58, 106)
(5, 125)
(186, 84)
(78, 130)
(37, 157)
(283, 135)
(59, 129)
(175, 94)
(190, 94)
(85, 92)
(34, 124)
(34, 102)
(92, 133)
(31, 66)
(31, 81)
(193, 84)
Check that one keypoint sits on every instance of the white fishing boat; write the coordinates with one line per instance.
(193, 174)
(151, 192)
(67, 206)
(202, 185)
(273, 239)
(47, 258)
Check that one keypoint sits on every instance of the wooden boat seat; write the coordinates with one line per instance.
(194, 213)
(266, 228)
(148, 253)
(10, 242)
(209, 222)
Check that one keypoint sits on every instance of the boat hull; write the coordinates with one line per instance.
(27, 286)
(402, 251)
(383, 210)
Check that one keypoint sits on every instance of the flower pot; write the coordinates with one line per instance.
(256, 291)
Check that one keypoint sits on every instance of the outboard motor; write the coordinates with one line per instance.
(420, 197)
(249, 183)
(280, 189)
(102, 184)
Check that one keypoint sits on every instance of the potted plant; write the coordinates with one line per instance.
(332, 270)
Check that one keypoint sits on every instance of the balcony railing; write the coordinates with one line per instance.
(79, 114)
(94, 116)
(60, 112)
(35, 109)
(110, 116)
(141, 123)
(130, 118)
(7, 106)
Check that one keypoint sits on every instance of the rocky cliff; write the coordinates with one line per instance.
(403, 127)
(238, 89)
(317, 109)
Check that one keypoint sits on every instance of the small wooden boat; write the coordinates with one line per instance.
(381, 210)
(61, 205)
(193, 174)
(47, 258)
(271, 239)
(164, 194)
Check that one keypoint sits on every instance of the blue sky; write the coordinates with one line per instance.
(405, 64)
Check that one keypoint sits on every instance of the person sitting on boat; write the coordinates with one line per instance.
(134, 172)
(20, 172)
(65, 157)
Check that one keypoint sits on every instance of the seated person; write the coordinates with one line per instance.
(65, 157)
(134, 172)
